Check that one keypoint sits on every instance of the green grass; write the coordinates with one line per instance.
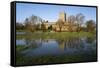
(22, 60)
(20, 48)
(55, 35)
(21, 30)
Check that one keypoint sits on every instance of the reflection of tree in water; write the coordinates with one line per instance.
(90, 40)
(70, 43)
(31, 43)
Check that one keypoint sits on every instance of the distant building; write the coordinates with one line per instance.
(65, 26)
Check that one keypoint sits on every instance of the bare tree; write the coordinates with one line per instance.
(43, 27)
(80, 20)
(32, 22)
(60, 23)
(28, 25)
(71, 19)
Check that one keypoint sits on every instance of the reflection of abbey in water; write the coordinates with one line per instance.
(64, 23)
(76, 43)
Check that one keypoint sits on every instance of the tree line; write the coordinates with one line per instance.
(34, 23)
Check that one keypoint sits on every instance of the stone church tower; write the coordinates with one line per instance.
(62, 16)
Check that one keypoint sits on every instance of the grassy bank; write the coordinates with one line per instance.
(54, 35)
(22, 60)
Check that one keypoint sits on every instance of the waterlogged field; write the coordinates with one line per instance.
(54, 47)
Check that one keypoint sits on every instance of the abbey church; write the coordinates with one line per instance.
(62, 24)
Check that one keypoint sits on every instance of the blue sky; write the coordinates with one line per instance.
(51, 12)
